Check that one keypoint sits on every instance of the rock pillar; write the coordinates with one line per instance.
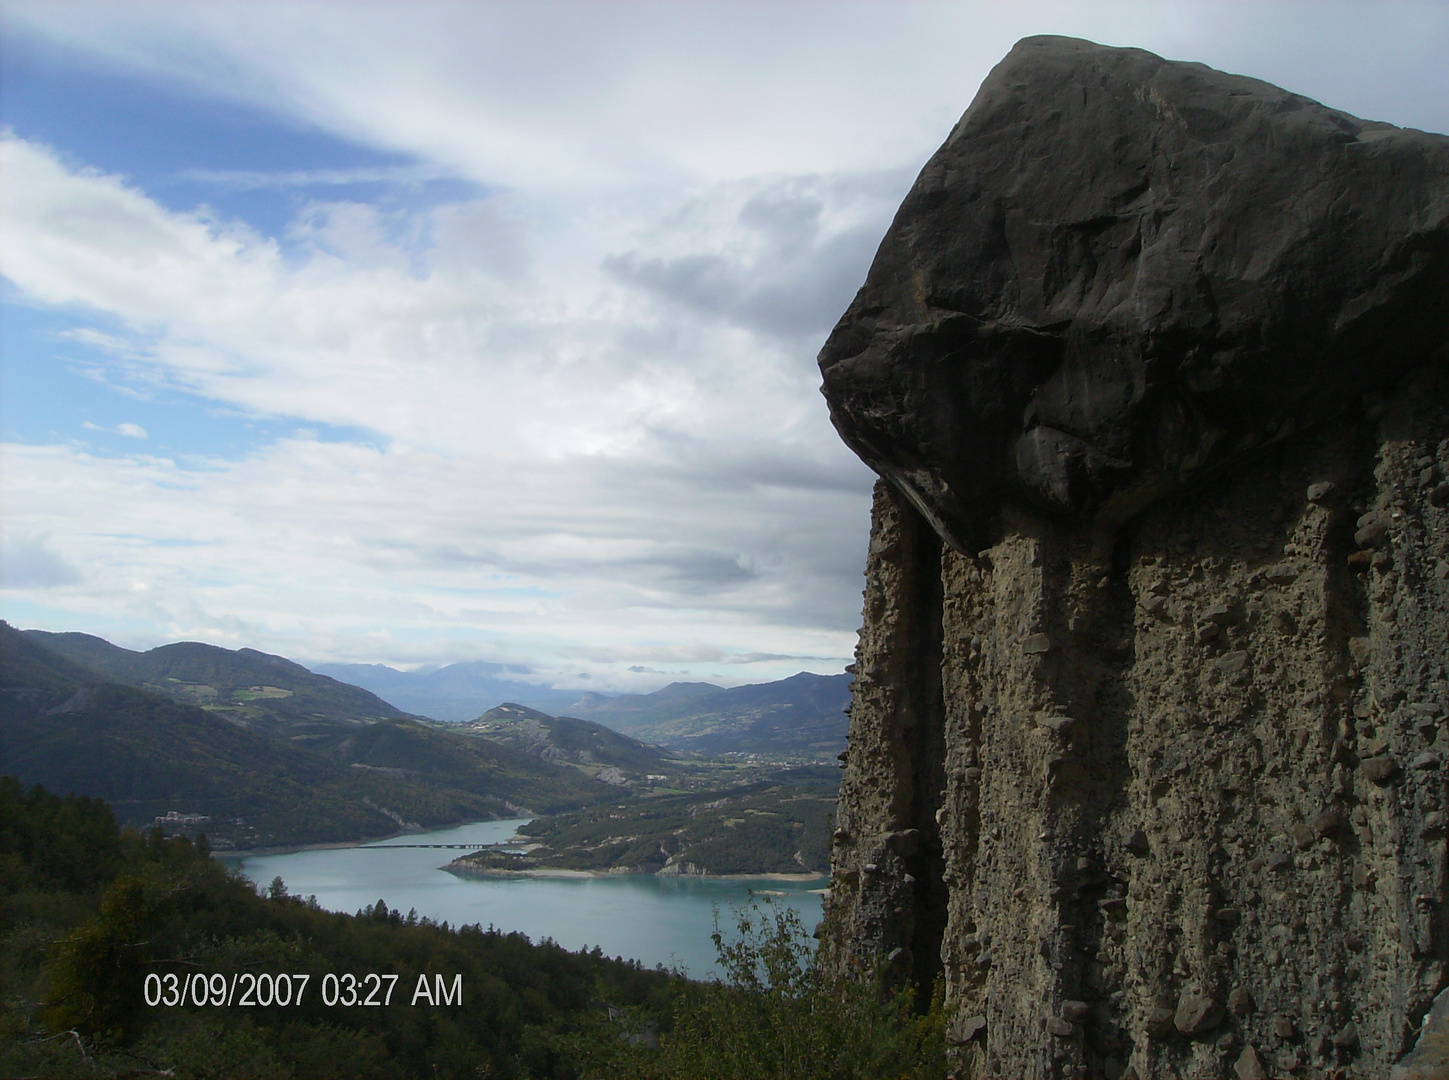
(1149, 724)
(1173, 800)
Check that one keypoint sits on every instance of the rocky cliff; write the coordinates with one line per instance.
(1148, 724)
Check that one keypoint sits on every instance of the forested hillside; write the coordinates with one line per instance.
(253, 689)
(91, 913)
(102, 929)
(801, 715)
(75, 730)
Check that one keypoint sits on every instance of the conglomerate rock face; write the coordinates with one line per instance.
(1149, 721)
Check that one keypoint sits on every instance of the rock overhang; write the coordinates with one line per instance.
(1120, 273)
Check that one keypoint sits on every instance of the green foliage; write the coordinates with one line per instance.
(778, 1014)
(91, 910)
(804, 714)
(581, 743)
(69, 843)
(756, 828)
(74, 958)
(244, 684)
(147, 754)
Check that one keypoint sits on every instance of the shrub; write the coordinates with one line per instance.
(776, 1013)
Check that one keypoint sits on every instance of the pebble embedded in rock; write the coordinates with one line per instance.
(1283, 623)
(1302, 836)
(1233, 662)
(971, 1027)
(1159, 1021)
(1057, 725)
(1440, 495)
(1249, 1066)
(1219, 613)
(1283, 1027)
(1282, 574)
(1196, 1014)
(1136, 843)
(1074, 1012)
(1060, 1028)
(1426, 760)
(1036, 644)
(904, 841)
(1240, 1001)
(1371, 535)
(1380, 769)
(1346, 1037)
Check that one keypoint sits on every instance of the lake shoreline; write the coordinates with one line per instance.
(338, 845)
(645, 917)
(562, 873)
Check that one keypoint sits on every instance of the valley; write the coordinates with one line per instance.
(257, 752)
(776, 824)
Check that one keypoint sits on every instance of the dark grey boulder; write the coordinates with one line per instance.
(1121, 272)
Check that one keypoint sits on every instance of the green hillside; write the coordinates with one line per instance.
(266, 693)
(414, 750)
(801, 715)
(583, 744)
(93, 917)
(73, 730)
(102, 928)
(778, 825)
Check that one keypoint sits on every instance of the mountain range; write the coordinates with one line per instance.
(802, 714)
(455, 693)
(592, 747)
(274, 754)
(297, 759)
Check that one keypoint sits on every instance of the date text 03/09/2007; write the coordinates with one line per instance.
(248, 989)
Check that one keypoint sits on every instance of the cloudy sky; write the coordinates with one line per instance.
(414, 333)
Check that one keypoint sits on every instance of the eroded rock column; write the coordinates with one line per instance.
(1188, 786)
(887, 893)
(1153, 360)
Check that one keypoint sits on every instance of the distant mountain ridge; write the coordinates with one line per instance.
(802, 714)
(289, 779)
(454, 693)
(255, 690)
(594, 748)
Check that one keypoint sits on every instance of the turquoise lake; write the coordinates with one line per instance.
(637, 916)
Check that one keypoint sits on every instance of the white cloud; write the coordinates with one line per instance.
(595, 440)
(577, 95)
(559, 471)
(131, 431)
(26, 562)
(577, 565)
